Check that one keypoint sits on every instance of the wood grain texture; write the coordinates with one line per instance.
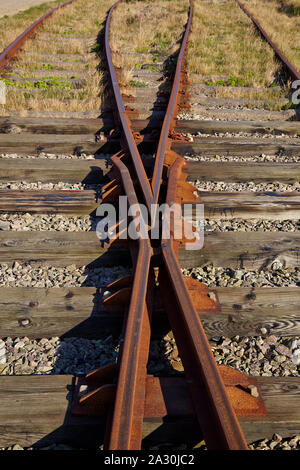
(41, 125)
(93, 171)
(282, 401)
(247, 205)
(217, 205)
(38, 312)
(211, 146)
(49, 143)
(246, 310)
(44, 125)
(60, 249)
(251, 127)
(50, 126)
(53, 171)
(242, 172)
(69, 202)
(35, 410)
(68, 143)
(249, 250)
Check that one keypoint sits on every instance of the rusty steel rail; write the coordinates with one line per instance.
(214, 411)
(16, 45)
(124, 120)
(126, 424)
(125, 390)
(171, 113)
(127, 420)
(294, 74)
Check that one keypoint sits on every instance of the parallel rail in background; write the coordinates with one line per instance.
(294, 74)
(16, 45)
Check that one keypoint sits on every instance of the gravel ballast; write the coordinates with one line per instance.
(46, 222)
(251, 225)
(279, 158)
(58, 222)
(69, 356)
(222, 277)
(256, 356)
(261, 158)
(255, 135)
(234, 113)
(263, 355)
(56, 156)
(276, 186)
(277, 443)
(259, 356)
(26, 275)
(24, 185)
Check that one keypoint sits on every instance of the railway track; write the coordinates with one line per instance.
(291, 70)
(229, 407)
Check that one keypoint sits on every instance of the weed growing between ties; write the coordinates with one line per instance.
(64, 43)
(44, 83)
(224, 42)
(155, 30)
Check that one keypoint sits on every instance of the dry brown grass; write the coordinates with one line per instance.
(84, 18)
(281, 20)
(248, 93)
(13, 26)
(57, 46)
(272, 98)
(224, 42)
(17, 101)
(150, 28)
(81, 29)
(34, 62)
(56, 98)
